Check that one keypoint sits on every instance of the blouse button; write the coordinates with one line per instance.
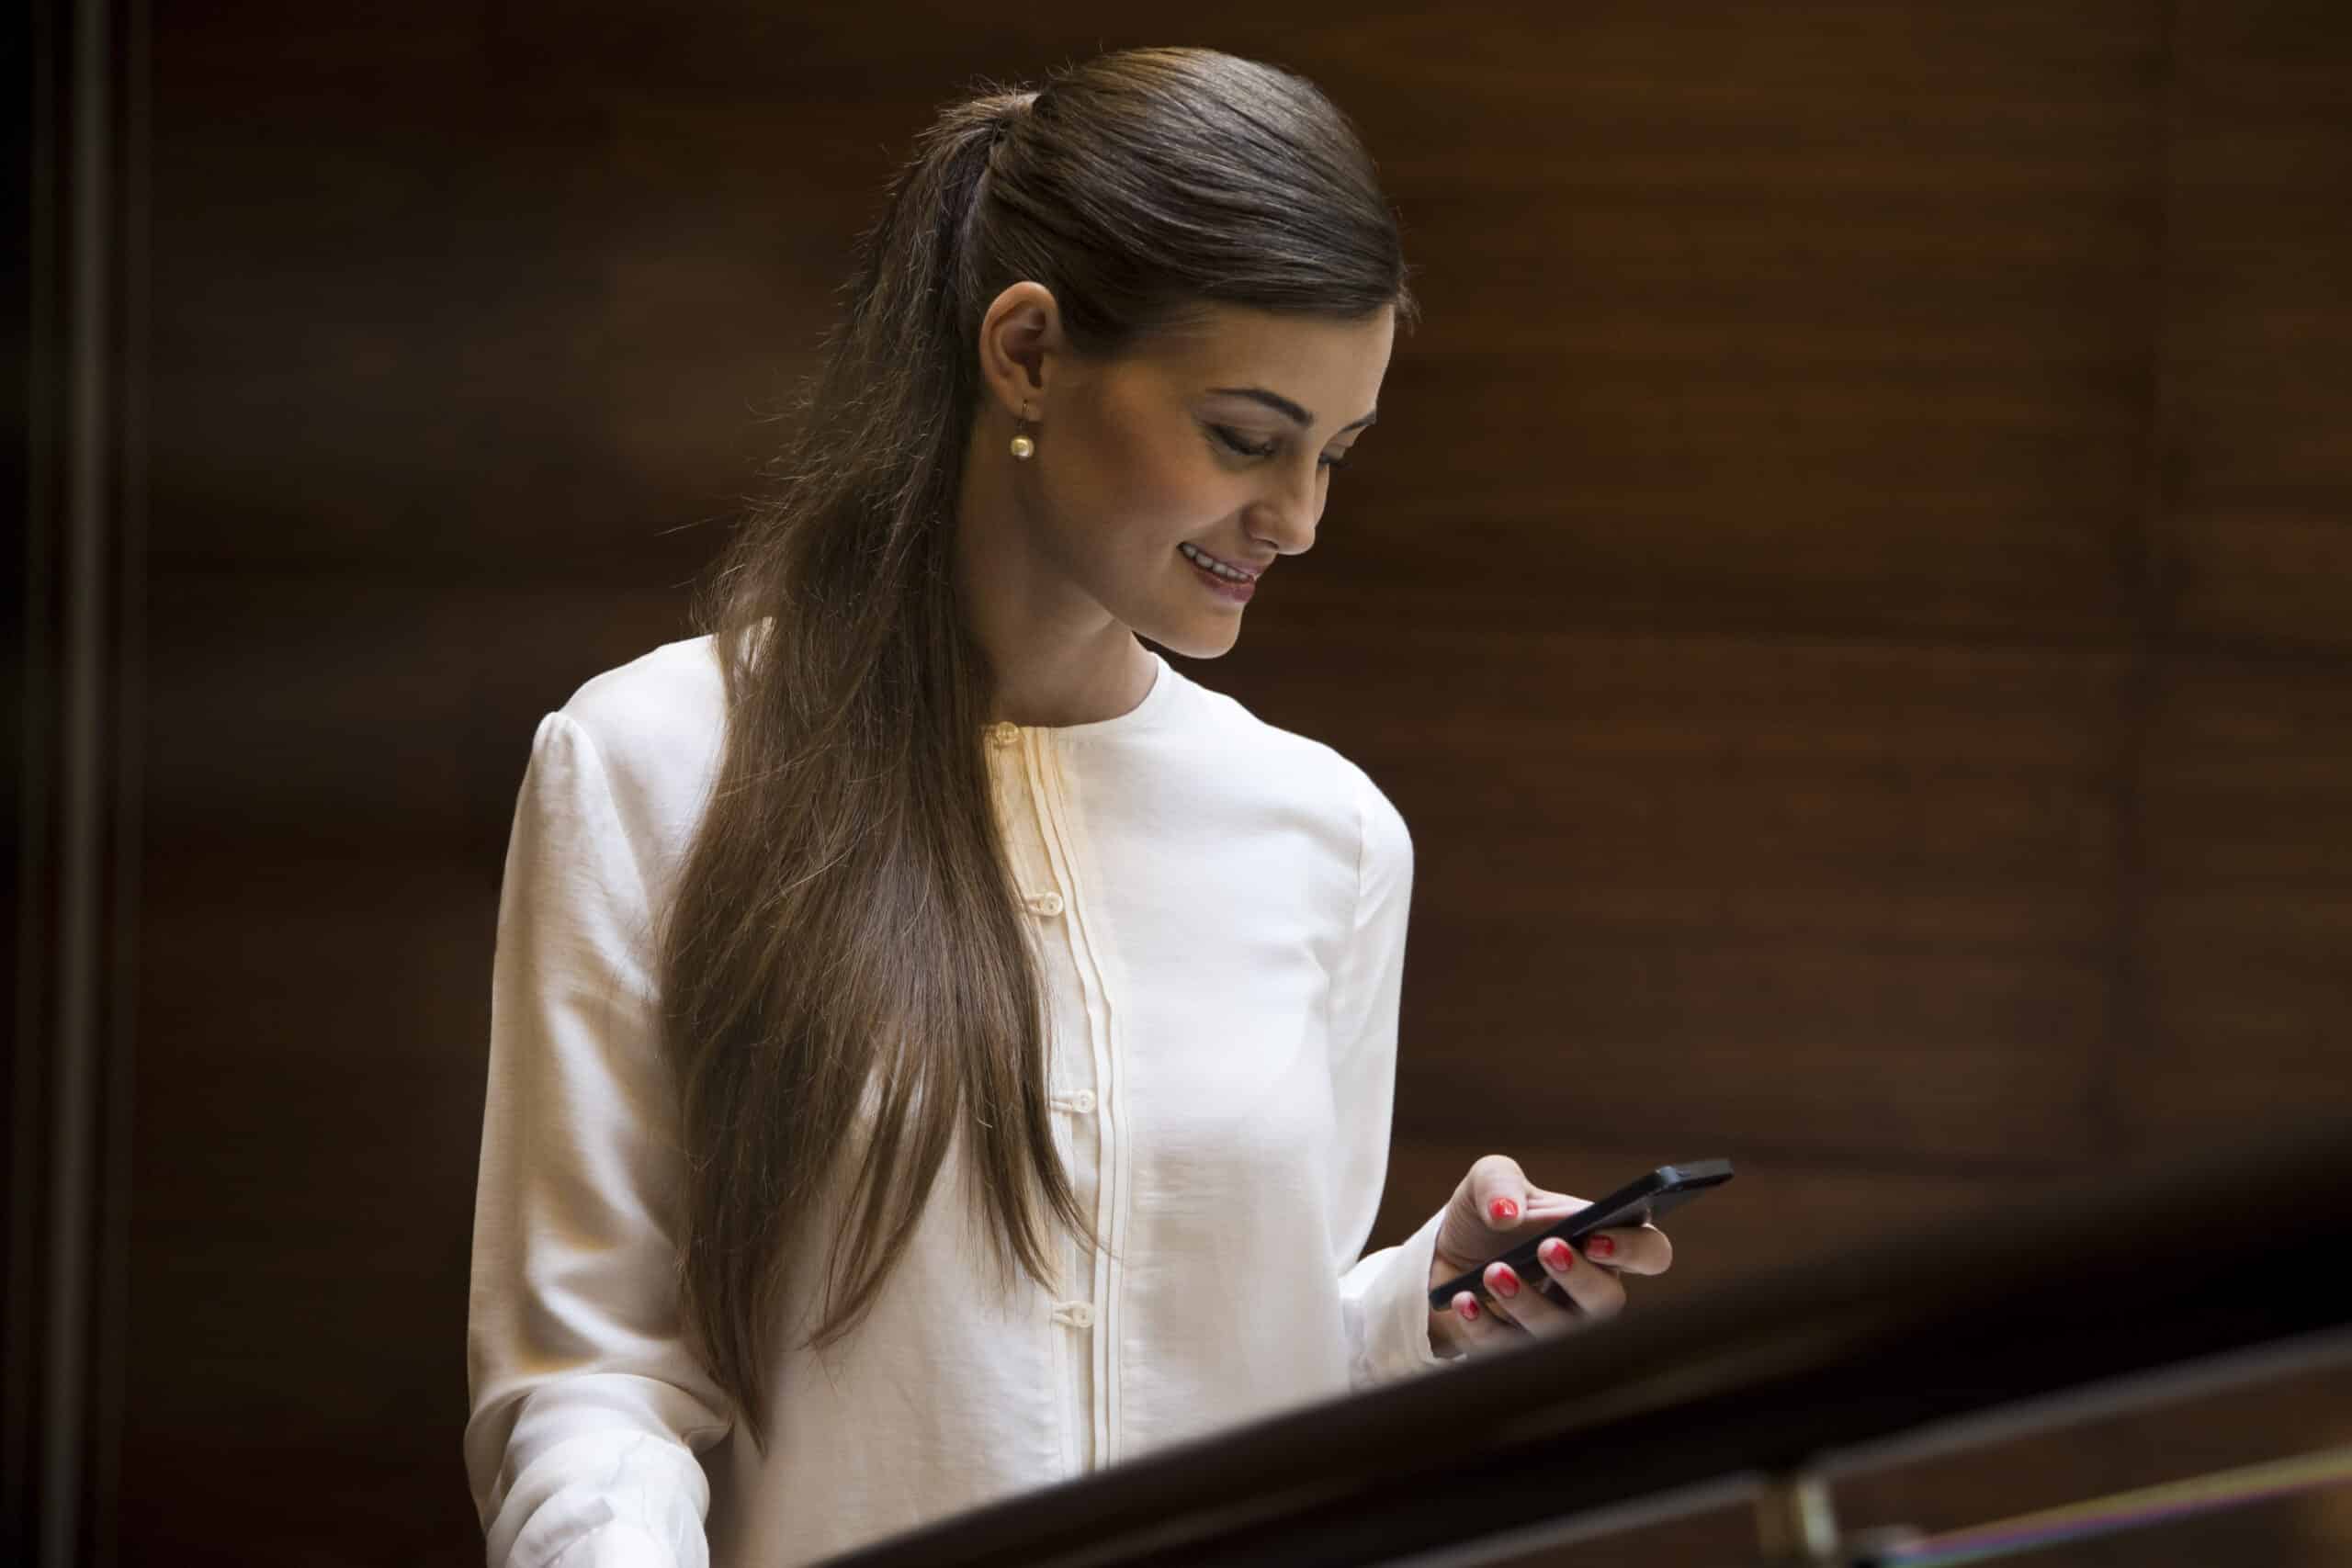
(1082, 1101)
(1004, 733)
(1078, 1314)
(1046, 903)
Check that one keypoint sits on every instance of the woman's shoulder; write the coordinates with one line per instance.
(658, 722)
(1307, 770)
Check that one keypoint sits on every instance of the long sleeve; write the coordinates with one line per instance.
(1384, 1296)
(586, 1406)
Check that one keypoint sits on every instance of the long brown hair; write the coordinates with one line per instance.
(845, 923)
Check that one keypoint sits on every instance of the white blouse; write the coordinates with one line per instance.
(1219, 907)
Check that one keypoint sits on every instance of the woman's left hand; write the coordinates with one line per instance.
(1495, 1204)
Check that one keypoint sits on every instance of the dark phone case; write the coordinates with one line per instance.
(1639, 1202)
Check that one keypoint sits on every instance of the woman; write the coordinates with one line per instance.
(936, 1047)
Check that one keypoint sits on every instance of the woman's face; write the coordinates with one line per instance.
(1220, 439)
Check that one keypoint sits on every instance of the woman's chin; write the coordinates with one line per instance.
(1194, 639)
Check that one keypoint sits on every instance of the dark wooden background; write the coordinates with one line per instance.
(1852, 589)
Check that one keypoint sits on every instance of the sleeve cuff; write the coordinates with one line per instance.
(1392, 1297)
(606, 1500)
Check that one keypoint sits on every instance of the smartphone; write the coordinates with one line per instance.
(1639, 1202)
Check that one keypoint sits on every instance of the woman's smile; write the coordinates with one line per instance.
(1235, 591)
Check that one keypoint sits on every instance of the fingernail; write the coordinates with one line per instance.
(1556, 1254)
(1601, 1246)
(1504, 1210)
(1503, 1280)
(1467, 1305)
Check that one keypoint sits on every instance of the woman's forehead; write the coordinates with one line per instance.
(1330, 368)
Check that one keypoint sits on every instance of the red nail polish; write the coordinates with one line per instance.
(1504, 1210)
(1559, 1255)
(1467, 1305)
(1506, 1282)
(1601, 1246)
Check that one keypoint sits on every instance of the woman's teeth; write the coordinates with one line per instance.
(1218, 567)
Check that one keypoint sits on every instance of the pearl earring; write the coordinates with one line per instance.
(1023, 447)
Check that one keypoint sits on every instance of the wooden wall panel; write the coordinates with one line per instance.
(2246, 927)
(2255, 537)
(1748, 320)
(296, 1238)
(2244, 936)
(1857, 893)
(1604, 488)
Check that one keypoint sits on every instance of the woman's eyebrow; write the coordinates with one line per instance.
(1289, 409)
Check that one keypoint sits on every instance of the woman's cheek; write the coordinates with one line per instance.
(1176, 492)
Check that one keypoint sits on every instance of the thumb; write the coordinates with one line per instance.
(1494, 1193)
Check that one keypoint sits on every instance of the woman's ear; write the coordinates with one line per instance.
(1021, 340)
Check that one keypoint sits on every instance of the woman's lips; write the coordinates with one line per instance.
(1225, 588)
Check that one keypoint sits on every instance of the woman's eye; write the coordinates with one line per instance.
(1233, 440)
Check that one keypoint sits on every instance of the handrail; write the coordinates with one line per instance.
(2088, 1297)
(2165, 1503)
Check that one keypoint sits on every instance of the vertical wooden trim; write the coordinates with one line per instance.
(111, 1271)
(80, 780)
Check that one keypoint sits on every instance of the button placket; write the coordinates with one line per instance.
(1030, 788)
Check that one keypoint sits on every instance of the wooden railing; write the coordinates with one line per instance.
(2078, 1304)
